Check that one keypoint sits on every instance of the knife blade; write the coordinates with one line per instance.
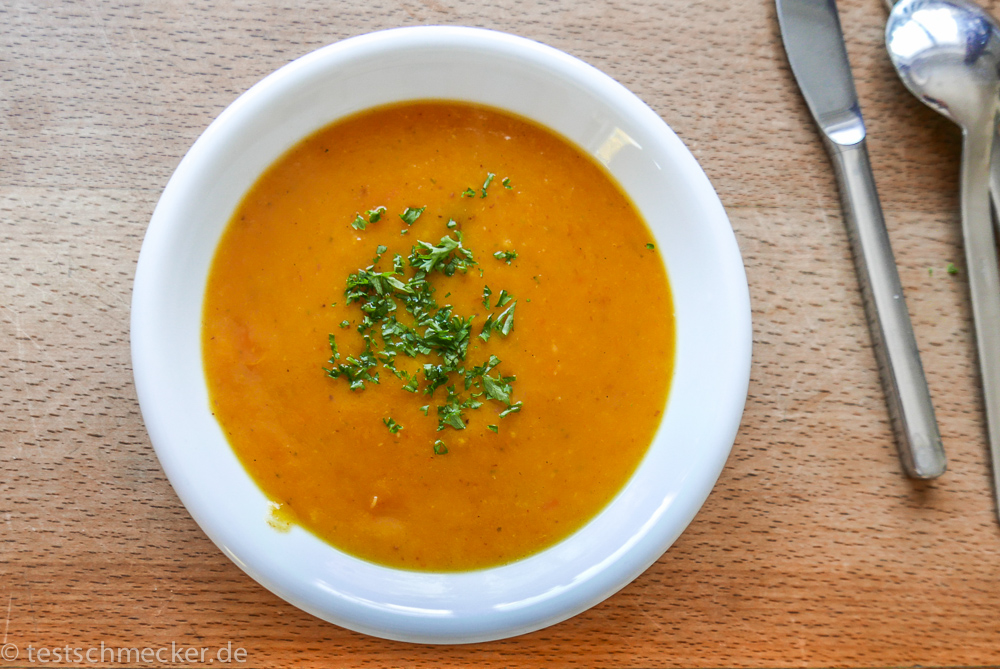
(814, 43)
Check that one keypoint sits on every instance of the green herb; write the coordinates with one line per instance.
(952, 269)
(930, 271)
(505, 321)
(650, 246)
(493, 428)
(498, 388)
(373, 216)
(333, 348)
(447, 257)
(399, 316)
(487, 328)
(451, 224)
(410, 215)
(506, 256)
(506, 183)
(489, 180)
(355, 370)
(514, 408)
(468, 192)
(450, 413)
(440, 448)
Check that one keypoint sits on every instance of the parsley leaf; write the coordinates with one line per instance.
(489, 180)
(497, 388)
(410, 215)
(505, 321)
(506, 256)
(513, 408)
(447, 257)
(373, 216)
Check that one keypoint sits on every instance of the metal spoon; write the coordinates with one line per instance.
(947, 52)
(995, 161)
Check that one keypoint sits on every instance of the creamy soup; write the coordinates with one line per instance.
(518, 275)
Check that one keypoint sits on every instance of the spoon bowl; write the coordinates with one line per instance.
(947, 52)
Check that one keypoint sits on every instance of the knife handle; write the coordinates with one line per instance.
(903, 381)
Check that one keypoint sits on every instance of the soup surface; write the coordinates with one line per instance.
(556, 294)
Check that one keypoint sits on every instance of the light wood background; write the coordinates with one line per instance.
(812, 551)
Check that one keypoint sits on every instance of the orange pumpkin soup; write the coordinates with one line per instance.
(438, 336)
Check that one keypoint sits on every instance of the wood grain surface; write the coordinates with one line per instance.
(812, 551)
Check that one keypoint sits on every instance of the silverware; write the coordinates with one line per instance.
(814, 43)
(947, 52)
(994, 163)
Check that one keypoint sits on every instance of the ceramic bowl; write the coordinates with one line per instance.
(583, 105)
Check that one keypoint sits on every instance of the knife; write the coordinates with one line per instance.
(810, 30)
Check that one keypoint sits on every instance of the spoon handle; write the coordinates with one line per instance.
(995, 179)
(984, 279)
(903, 380)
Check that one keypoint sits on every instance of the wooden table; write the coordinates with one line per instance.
(813, 550)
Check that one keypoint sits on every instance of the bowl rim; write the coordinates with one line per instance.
(416, 619)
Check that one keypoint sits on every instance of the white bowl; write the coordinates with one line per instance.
(599, 115)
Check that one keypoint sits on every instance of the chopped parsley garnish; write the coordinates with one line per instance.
(952, 269)
(371, 216)
(468, 192)
(505, 321)
(489, 180)
(506, 183)
(650, 246)
(493, 428)
(448, 256)
(487, 328)
(410, 215)
(513, 408)
(506, 256)
(400, 318)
